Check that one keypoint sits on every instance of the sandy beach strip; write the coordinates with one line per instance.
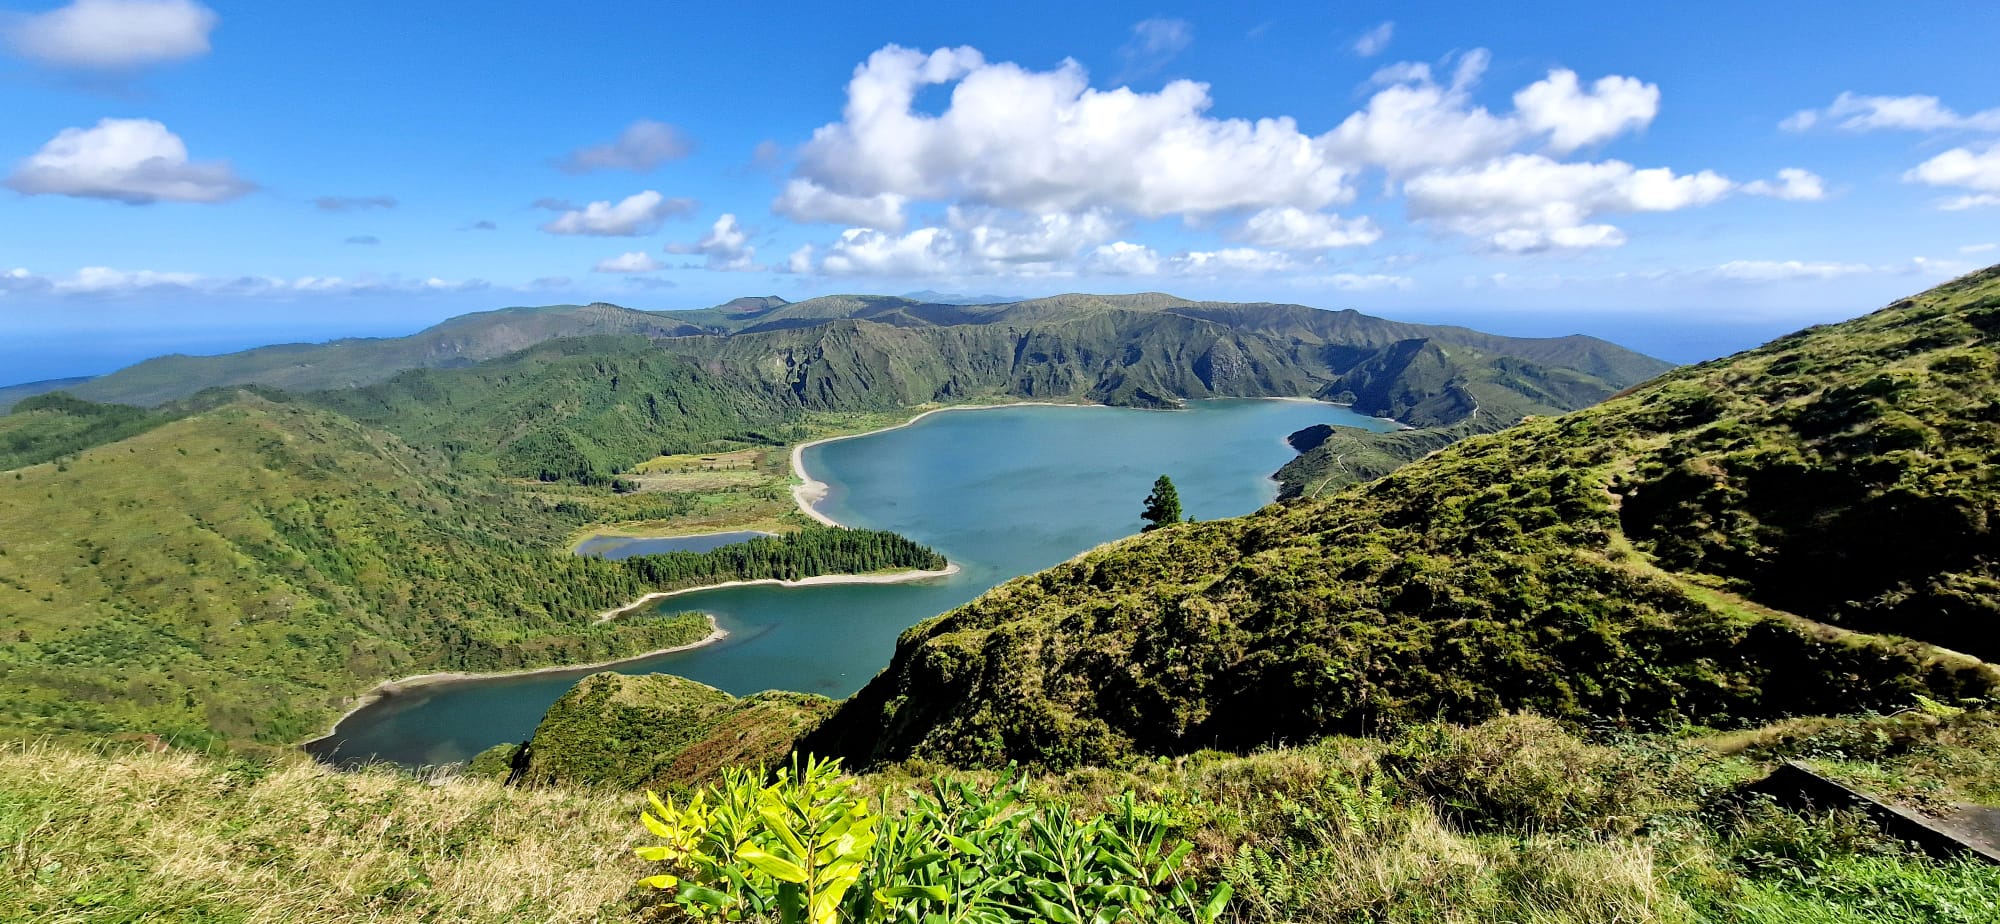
(891, 577)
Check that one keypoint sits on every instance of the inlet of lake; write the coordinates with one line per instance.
(1001, 492)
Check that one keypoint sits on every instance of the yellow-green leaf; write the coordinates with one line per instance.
(776, 867)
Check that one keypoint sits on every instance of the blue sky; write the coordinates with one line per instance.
(1689, 179)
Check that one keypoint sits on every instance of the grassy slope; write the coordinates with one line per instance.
(239, 574)
(242, 571)
(659, 731)
(1514, 820)
(1628, 563)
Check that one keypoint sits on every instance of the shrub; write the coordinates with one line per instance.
(806, 848)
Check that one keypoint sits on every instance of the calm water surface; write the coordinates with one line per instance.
(1002, 492)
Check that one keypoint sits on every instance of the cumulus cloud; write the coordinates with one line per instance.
(1573, 117)
(1372, 42)
(1416, 122)
(1123, 258)
(1854, 112)
(801, 260)
(635, 262)
(641, 148)
(1962, 168)
(1297, 229)
(1527, 202)
(1043, 142)
(135, 161)
(1792, 184)
(353, 203)
(112, 34)
(637, 214)
(726, 245)
(1154, 42)
(805, 200)
(998, 239)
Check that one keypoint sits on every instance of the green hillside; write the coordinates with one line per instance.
(13, 394)
(460, 341)
(1731, 543)
(657, 731)
(239, 574)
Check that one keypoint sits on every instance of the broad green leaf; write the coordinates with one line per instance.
(931, 892)
(774, 866)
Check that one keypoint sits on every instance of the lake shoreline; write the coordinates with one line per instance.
(390, 688)
(817, 580)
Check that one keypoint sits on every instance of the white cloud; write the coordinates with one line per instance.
(1856, 113)
(801, 260)
(637, 261)
(113, 33)
(1296, 229)
(642, 147)
(804, 200)
(1045, 142)
(1527, 202)
(107, 282)
(1963, 168)
(135, 161)
(1232, 261)
(1785, 270)
(1573, 117)
(1415, 122)
(1123, 258)
(641, 213)
(1372, 42)
(1000, 238)
(1979, 248)
(867, 252)
(1154, 42)
(726, 246)
(1792, 184)
(1365, 282)
(1537, 240)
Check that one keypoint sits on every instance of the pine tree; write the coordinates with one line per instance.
(1163, 506)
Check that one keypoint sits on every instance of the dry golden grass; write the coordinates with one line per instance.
(131, 835)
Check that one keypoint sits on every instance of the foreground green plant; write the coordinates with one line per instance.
(806, 848)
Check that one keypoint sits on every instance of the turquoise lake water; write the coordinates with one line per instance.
(1002, 492)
